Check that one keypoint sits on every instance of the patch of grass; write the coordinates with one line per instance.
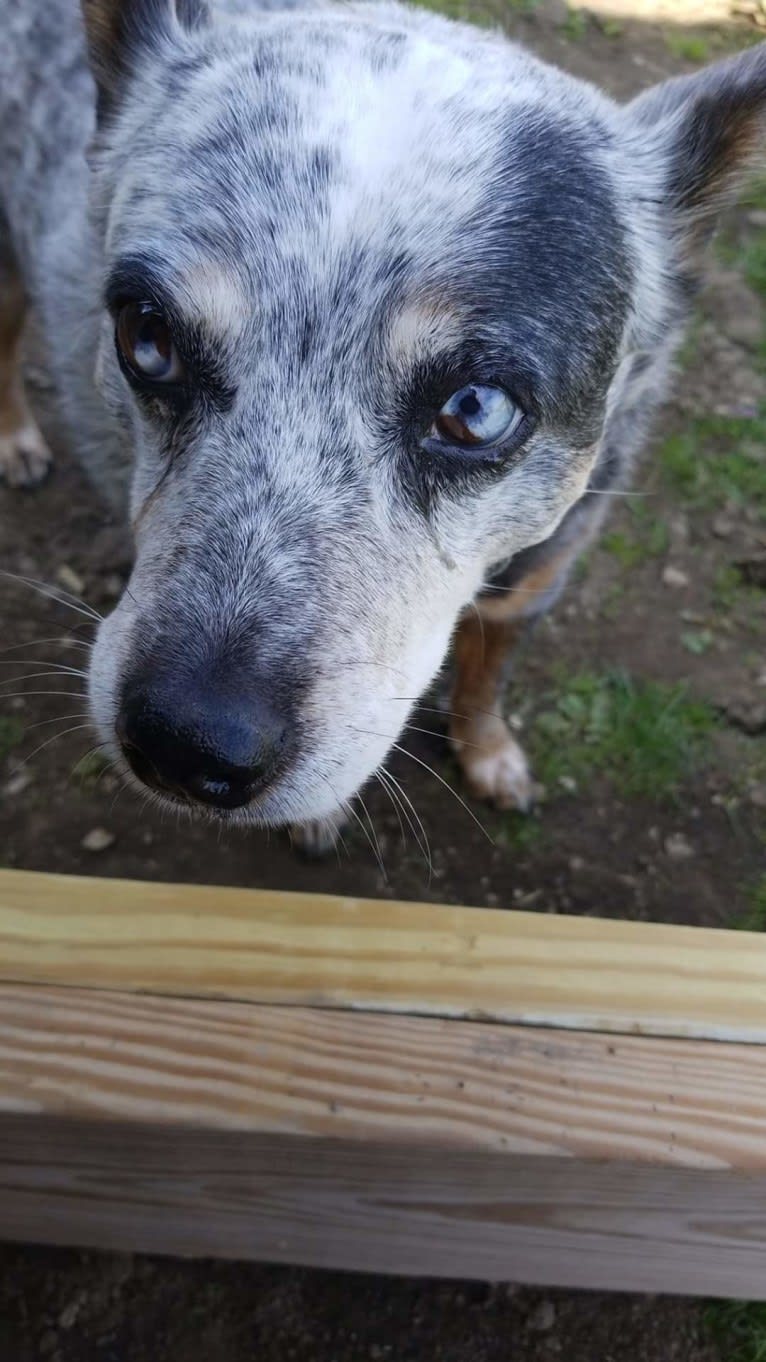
(646, 538)
(737, 240)
(645, 737)
(697, 641)
(754, 258)
(739, 1327)
(727, 585)
(485, 13)
(575, 25)
(11, 733)
(731, 590)
(623, 547)
(718, 459)
(737, 37)
(754, 919)
(689, 348)
(520, 832)
(91, 767)
(755, 263)
(687, 46)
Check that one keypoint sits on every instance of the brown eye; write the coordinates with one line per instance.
(146, 344)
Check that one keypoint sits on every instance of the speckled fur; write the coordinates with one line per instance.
(343, 202)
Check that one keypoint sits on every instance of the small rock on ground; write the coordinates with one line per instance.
(17, 783)
(542, 1318)
(678, 847)
(674, 577)
(98, 839)
(70, 580)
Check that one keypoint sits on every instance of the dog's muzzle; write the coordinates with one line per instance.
(201, 746)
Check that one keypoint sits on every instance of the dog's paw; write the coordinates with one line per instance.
(493, 764)
(318, 837)
(25, 459)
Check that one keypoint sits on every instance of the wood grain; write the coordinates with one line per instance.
(403, 1080)
(397, 1144)
(319, 951)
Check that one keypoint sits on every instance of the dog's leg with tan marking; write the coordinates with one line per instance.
(492, 762)
(25, 459)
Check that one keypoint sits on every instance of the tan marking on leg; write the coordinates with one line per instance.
(492, 761)
(24, 456)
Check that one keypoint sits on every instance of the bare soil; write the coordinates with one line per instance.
(590, 850)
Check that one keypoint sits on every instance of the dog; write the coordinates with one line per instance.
(364, 312)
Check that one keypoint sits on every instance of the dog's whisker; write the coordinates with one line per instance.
(57, 719)
(434, 733)
(61, 639)
(348, 808)
(397, 747)
(384, 779)
(381, 781)
(339, 844)
(414, 728)
(615, 492)
(123, 785)
(56, 736)
(91, 752)
(22, 694)
(449, 713)
(374, 841)
(507, 590)
(57, 669)
(58, 596)
(42, 662)
(424, 846)
(447, 786)
(370, 662)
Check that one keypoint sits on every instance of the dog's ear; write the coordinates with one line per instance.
(118, 31)
(707, 130)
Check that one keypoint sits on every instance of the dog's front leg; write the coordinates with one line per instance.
(492, 762)
(24, 456)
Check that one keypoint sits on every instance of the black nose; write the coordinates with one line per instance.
(200, 745)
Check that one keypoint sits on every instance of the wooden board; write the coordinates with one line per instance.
(401, 1088)
(392, 1144)
(319, 951)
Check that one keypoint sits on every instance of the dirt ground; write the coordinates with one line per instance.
(664, 600)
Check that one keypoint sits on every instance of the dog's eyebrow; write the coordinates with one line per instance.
(202, 294)
(423, 324)
(137, 278)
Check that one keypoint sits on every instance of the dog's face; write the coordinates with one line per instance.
(371, 284)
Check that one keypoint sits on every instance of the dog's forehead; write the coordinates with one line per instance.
(339, 169)
(330, 135)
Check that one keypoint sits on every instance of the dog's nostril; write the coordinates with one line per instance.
(200, 747)
(146, 771)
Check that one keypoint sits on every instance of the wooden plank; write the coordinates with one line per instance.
(397, 1144)
(355, 1076)
(319, 951)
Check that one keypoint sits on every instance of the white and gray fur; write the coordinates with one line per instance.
(351, 211)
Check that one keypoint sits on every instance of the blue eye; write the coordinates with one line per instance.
(477, 417)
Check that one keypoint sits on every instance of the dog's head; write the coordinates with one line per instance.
(372, 284)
